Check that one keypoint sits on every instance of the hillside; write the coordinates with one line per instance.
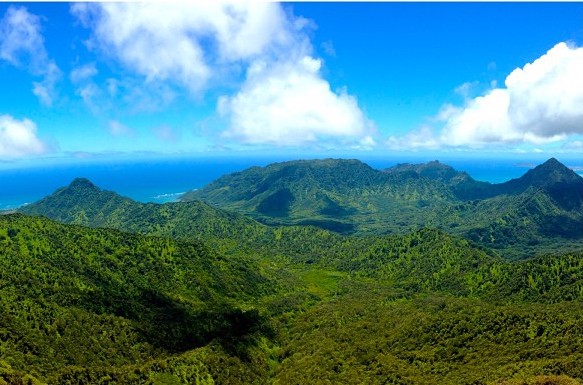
(345, 196)
(76, 301)
(460, 183)
(83, 203)
(97, 306)
(543, 208)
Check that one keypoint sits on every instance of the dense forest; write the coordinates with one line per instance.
(542, 210)
(98, 289)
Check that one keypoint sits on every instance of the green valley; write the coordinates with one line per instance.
(543, 208)
(122, 292)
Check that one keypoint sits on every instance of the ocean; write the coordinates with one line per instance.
(161, 181)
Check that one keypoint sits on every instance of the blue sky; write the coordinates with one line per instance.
(91, 81)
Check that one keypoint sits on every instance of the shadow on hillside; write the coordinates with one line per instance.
(178, 327)
(331, 225)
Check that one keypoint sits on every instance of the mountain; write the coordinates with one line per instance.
(70, 204)
(541, 209)
(460, 183)
(83, 203)
(433, 170)
(336, 194)
(80, 304)
(540, 212)
(562, 184)
(296, 304)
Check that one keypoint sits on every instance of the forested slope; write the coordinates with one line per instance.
(540, 211)
(74, 298)
(87, 306)
(189, 293)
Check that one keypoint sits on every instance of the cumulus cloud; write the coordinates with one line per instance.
(290, 104)
(182, 42)
(422, 138)
(22, 45)
(541, 102)
(256, 47)
(18, 138)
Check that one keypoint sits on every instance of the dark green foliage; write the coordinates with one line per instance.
(318, 192)
(371, 336)
(205, 296)
(85, 204)
(94, 306)
(72, 296)
(543, 208)
(277, 204)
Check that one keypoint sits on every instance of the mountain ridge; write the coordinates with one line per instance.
(128, 308)
(350, 197)
(347, 197)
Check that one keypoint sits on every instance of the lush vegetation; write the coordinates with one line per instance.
(375, 337)
(74, 298)
(542, 210)
(187, 293)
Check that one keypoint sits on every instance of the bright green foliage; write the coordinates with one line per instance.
(77, 297)
(204, 296)
(371, 336)
(543, 208)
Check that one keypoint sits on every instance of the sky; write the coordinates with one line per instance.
(112, 80)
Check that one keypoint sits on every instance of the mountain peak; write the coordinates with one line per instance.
(80, 196)
(561, 183)
(82, 183)
(551, 171)
(553, 161)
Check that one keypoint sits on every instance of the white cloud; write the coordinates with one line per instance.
(423, 138)
(183, 42)
(290, 104)
(540, 103)
(18, 138)
(22, 45)
(575, 145)
(283, 99)
(45, 89)
(465, 90)
(90, 93)
(116, 128)
(83, 73)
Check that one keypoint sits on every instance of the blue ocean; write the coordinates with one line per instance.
(161, 181)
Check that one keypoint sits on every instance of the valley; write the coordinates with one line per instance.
(435, 278)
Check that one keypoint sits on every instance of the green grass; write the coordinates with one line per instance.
(323, 283)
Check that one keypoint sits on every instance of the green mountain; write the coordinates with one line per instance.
(346, 196)
(562, 183)
(99, 306)
(80, 305)
(83, 203)
(543, 208)
(460, 183)
(288, 305)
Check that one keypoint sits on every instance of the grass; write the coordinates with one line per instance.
(323, 283)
